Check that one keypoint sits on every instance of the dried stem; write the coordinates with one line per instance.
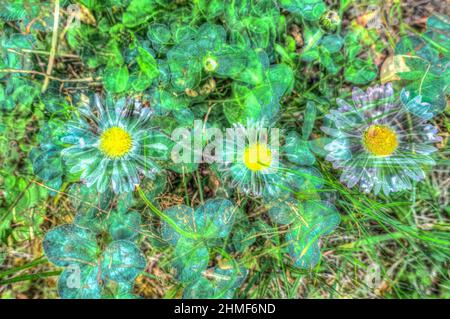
(51, 59)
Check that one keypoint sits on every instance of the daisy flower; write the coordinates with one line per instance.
(377, 143)
(110, 145)
(251, 159)
(255, 162)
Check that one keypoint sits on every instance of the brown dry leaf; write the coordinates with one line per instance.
(82, 14)
(208, 87)
(391, 66)
(191, 92)
(296, 33)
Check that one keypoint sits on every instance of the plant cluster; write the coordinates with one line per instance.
(90, 95)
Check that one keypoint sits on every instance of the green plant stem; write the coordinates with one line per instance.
(186, 196)
(38, 261)
(199, 186)
(30, 277)
(369, 241)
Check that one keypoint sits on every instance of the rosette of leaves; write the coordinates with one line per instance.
(134, 68)
(205, 51)
(16, 88)
(253, 24)
(334, 52)
(91, 271)
(122, 58)
(188, 56)
(261, 100)
(194, 56)
(427, 59)
(195, 233)
(326, 49)
(198, 53)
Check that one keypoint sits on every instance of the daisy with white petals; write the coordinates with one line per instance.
(377, 143)
(110, 145)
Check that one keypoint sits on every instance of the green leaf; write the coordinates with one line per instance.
(310, 118)
(184, 217)
(186, 69)
(318, 218)
(191, 259)
(360, 72)
(79, 282)
(297, 150)
(124, 225)
(69, 244)
(147, 63)
(253, 73)
(427, 72)
(283, 211)
(244, 235)
(231, 61)
(281, 78)
(212, 220)
(332, 43)
(122, 261)
(215, 218)
(115, 79)
(236, 110)
(137, 12)
(169, 100)
(311, 10)
(305, 179)
(317, 145)
(159, 34)
(91, 207)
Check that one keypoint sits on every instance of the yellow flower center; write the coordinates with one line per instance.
(257, 157)
(115, 142)
(380, 140)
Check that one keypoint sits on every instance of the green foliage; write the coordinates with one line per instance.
(318, 219)
(210, 221)
(20, 199)
(427, 57)
(19, 9)
(18, 89)
(310, 10)
(223, 63)
(76, 249)
(195, 235)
